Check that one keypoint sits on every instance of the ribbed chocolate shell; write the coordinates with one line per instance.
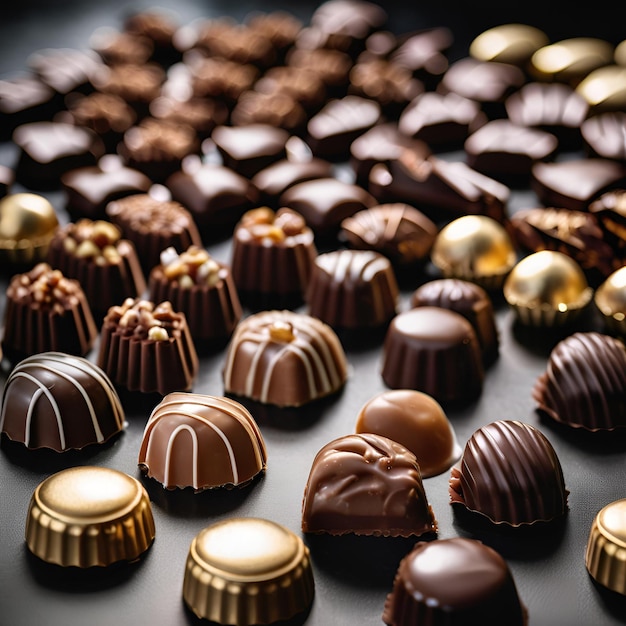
(510, 473)
(584, 385)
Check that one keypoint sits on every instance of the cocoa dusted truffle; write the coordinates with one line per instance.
(366, 484)
(200, 287)
(511, 474)
(147, 347)
(62, 402)
(285, 359)
(457, 581)
(273, 255)
(584, 384)
(201, 441)
(45, 311)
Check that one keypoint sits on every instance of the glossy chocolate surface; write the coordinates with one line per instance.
(605, 135)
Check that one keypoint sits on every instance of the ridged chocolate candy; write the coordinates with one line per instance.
(366, 484)
(584, 385)
(511, 474)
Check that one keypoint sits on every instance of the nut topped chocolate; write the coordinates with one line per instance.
(366, 484)
(201, 441)
(285, 359)
(511, 474)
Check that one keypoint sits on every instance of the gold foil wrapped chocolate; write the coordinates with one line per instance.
(508, 43)
(89, 516)
(475, 248)
(547, 288)
(605, 556)
(610, 299)
(245, 571)
(27, 223)
(604, 89)
(620, 53)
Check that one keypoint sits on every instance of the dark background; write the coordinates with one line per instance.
(352, 575)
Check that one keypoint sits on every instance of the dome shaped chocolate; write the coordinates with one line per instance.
(584, 385)
(510, 473)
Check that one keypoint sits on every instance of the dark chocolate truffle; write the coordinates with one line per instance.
(59, 401)
(366, 484)
(458, 581)
(511, 474)
(285, 359)
(353, 289)
(584, 385)
(203, 442)
(434, 350)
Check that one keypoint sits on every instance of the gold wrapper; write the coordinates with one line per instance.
(246, 571)
(605, 557)
(89, 516)
(508, 43)
(604, 89)
(610, 299)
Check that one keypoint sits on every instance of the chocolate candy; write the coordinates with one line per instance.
(89, 189)
(458, 581)
(331, 66)
(147, 347)
(507, 152)
(280, 27)
(547, 288)
(45, 311)
(604, 135)
(325, 203)
(399, 231)
(475, 248)
(248, 149)
(471, 301)
(28, 222)
(604, 89)
(610, 300)
(49, 149)
(201, 288)
(511, 474)
(61, 402)
(605, 546)
(221, 444)
(117, 47)
(159, 27)
(330, 131)
(89, 517)
(574, 184)
(416, 421)
(442, 121)
(366, 484)
(247, 571)
(273, 255)
(442, 189)
(436, 351)
(153, 224)
(94, 253)
(584, 383)
(353, 289)
(285, 359)
(508, 43)
(277, 110)
(610, 210)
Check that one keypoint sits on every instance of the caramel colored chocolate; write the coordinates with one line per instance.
(353, 289)
(366, 484)
(285, 359)
(147, 347)
(117, 47)
(511, 474)
(277, 110)
(458, 581)
(201, 441)
(61, 402)
(45, 311)
(436, 351)
(610, 211)
(416, 421)
(247, 571)
(202, 114)
(89, 516)
(584, 384)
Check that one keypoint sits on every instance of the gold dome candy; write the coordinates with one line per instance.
(245, 571)
(547, 288)
(475, 248)
(570, 60)
(508, 43)
(27, 223)
(610, 299)
(604, 89)
(89, 516)
(620, 53)
(605, 556)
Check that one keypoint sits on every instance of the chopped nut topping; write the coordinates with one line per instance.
(282, 331)
(192, 267)
(263, 223)
(145, 319)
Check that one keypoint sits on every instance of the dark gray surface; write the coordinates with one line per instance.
(352, 575)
